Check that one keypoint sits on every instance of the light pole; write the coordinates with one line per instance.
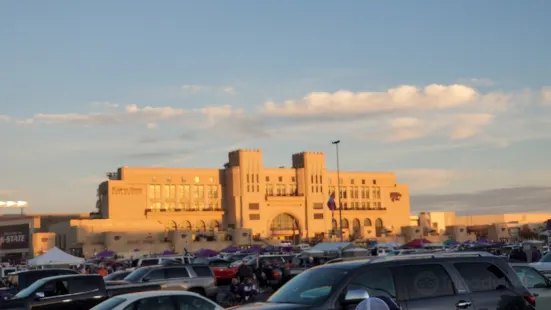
(336, 143)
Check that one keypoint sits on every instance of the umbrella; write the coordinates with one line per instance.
(286, 249)
(254, 249)
(270, 248)
(230, 249)
(417, 243)
(206, 253)
(167, 252)
(105, 254)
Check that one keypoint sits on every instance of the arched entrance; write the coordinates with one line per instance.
(185, 225)
(215, 225)
(379, 229)
(356, 228)
(201, 226)
(285, 227)
(367, 222)
(334, 224)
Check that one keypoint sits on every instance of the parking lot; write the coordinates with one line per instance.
(223, 290)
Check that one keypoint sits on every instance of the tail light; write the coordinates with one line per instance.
(276, 275)
(530, 299)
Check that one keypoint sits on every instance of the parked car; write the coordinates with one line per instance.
(447, 280)
(537, 283)
(544, 265)
(152, 261)
(164, 300)
(117, 275)
(194, 278)
(19, 280)
(220, 267)
(68, 292)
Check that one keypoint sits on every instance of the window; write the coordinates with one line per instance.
(213, 192)
(530, 277)
(254, 217)
(280, 179)
(257, 179)
(83, 285)
(159, 302)
(219, 263)
(55, 288)
(482, 277)
(352, 181)
(318, 216)
(363, 181)
(318, 206)
(424, 281)
(374, 182)
(179, 272)
(312, 287)
(254, 206)
(187, 302)
(293, 179)
(202, 271)
(267, 179)
(156, 275)
(378, 282)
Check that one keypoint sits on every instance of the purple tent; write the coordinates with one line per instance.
(230, 249)
(206, 253)
(167, 252)
(271, 248)
(105, 254)
(286, 249)
(254, 249)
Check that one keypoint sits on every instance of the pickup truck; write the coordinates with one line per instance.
(20, 280)
(68, 292)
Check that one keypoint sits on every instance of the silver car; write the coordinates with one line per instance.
(158, 300)
(538, 284)
(194, 278)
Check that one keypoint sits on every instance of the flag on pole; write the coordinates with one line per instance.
(331, 203)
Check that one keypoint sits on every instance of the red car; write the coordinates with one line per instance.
(220, 267)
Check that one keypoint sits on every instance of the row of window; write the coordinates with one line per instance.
(183, 206)
(424, 281)
(357, 192)
(314, 179)
(182, 192)
(181, 179)
(353, 181)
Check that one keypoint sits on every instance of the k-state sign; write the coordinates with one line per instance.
(14, 237)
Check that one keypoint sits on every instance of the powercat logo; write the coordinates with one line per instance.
(395, 196)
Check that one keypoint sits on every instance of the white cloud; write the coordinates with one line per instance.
(7, 192)
(193, 88)
(105, 104)
(152, 125)
(546, 95)
(229, 90)
(400, 99)
(480, 82)
(5, 118)
(469, 125)
(430, 179)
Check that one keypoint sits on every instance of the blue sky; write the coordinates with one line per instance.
(453, 96)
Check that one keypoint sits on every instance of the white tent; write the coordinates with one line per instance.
(55, 256)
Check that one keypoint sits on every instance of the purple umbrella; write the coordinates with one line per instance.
(105, 254)
(270, 248)
(230, 249)
(286, 249)
(167, 252)
(254, 249)
(206, 253)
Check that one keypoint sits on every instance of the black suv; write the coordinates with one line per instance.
(465, 280)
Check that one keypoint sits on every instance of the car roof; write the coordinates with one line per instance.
(41, 270)
(61, 277)
(413, 258)
(139, 295)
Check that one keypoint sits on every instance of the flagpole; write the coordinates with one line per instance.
(336, 143)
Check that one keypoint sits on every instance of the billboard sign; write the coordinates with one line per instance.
(13, 204)
(14, 237)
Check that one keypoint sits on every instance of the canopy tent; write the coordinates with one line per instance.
(167, 252)
(355, 252)
(230, 249)
(105, 254)
(417, 243)
(253, 249)
(334, 246)
(206, 253)
(55, 256)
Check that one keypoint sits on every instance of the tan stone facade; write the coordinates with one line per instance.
(273, 202)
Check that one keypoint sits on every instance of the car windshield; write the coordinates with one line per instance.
(311, 287)
(546, 258)
(136, 275)
(109, 304)
(30, 289)
(116, 276)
